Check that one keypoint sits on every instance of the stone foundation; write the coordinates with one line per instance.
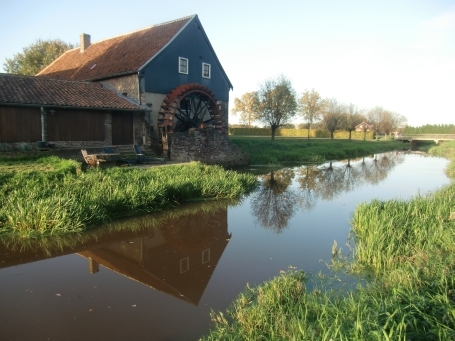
(206, 145)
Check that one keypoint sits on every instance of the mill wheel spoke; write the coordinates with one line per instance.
(189, 106)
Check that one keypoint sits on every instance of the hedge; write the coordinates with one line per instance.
(315, 133)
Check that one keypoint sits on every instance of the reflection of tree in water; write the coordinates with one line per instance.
(351, 177)
(376, 171)
(329, 181)
(307, 178)
(274, 203)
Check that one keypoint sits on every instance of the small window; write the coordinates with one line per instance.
(205, 256)
(184, 264)
(183, 65)
(205, 70)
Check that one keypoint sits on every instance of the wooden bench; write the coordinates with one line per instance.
(91, 159)
(131, 154)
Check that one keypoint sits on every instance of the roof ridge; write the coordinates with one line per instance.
(141, 29)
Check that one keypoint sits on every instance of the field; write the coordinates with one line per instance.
(298, 150)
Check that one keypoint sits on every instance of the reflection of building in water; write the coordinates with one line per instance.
(177, 258)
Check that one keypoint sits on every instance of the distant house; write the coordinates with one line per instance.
(170, 67)
(65, 113)
(363, 127)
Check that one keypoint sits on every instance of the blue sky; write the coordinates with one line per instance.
(398, 54)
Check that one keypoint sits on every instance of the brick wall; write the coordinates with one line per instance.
(206, 145)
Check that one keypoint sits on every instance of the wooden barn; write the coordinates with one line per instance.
(65, 113)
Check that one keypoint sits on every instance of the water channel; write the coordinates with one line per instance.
(157, 277)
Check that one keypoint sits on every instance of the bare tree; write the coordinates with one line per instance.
(385, 121)
(399, 122)
(332, 115)
(375, 118)
(353, 118)
(247, 107)
(310, 107)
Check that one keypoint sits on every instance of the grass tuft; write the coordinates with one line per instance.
(59, 199)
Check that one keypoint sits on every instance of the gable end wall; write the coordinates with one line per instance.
(124, 84)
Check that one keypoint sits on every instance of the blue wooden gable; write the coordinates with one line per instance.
(161, 74)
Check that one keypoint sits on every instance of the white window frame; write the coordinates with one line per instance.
(210, 70)
(184, 264)
(187, 65)
(205, 256)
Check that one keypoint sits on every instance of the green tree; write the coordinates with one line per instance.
(36, 57)
(247, 107)
(310, 107)
(276, 103)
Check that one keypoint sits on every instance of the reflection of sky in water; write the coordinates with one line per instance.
(310, 233)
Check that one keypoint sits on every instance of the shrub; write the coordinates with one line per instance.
(5, 147)
(23, 147)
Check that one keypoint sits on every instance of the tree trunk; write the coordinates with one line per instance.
(309, 128)
(273, 132)
(331, 135)
(350, 132)
(364, 135)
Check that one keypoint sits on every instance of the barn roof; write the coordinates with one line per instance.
(40, 91)
(120, 55)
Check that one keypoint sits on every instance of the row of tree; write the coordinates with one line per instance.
(431, 129)
(276, 103)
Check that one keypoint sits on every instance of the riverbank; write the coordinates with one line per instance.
(404, 255)
(262, 151)
(47, 196)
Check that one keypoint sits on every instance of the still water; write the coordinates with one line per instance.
(157, 277)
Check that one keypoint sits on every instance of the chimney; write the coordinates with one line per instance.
(85, 41)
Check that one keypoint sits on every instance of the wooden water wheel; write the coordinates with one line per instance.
(189, 106)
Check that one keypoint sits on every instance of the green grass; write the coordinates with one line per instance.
(405, 250)
(263, 151)
(56, 198)
(283, 309)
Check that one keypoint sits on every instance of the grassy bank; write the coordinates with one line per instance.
(263, 151)
(52, 196)
(405, 250)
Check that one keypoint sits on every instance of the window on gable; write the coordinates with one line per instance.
(183, 65)
(206, 70)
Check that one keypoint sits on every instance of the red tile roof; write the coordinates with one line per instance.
(40, 91)
(115, 56)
